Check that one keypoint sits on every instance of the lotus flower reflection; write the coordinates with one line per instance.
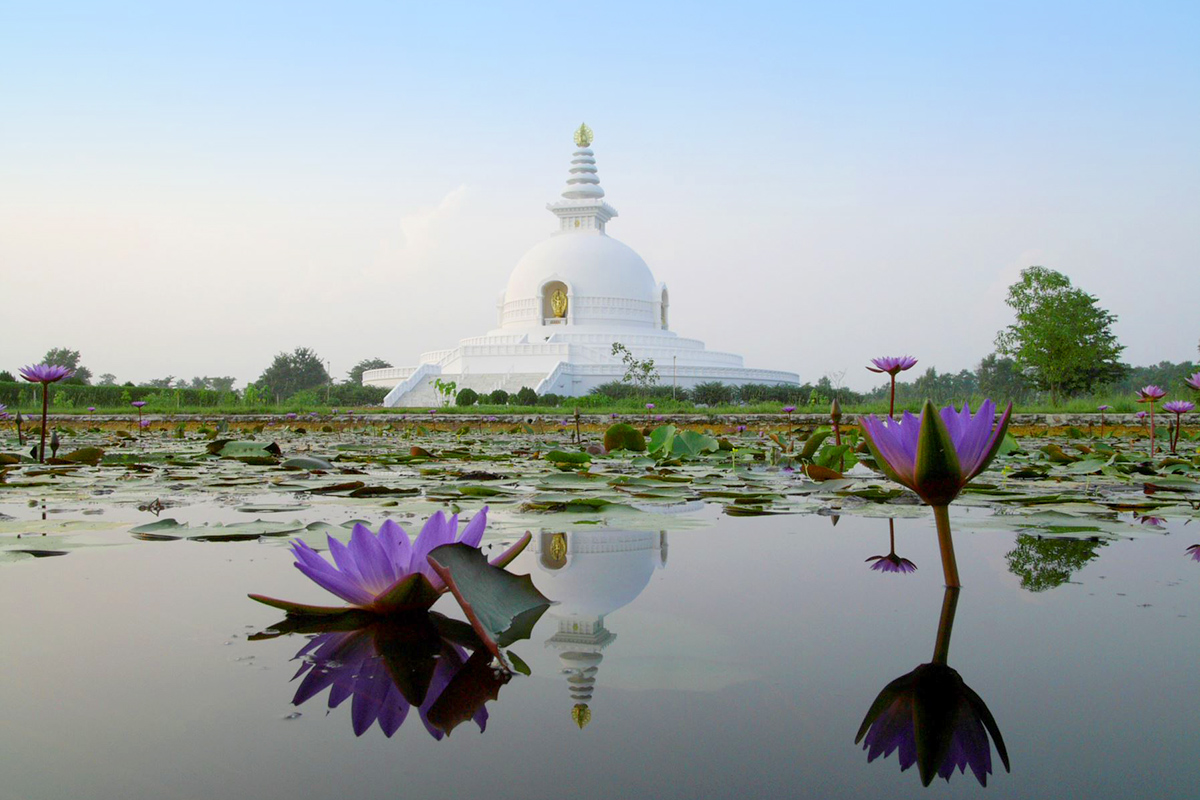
(1194, 552)
(936, 455)
(386, 572)
(388, 669)
(892, 562)
(931, 718)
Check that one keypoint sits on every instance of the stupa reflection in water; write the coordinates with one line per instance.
(591, 574)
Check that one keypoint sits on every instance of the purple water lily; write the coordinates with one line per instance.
(1194, 381)
(1151, 394)
(386, 572)
(369, 668)
(45, 374)
(1178, 408)
(138, 403)
(893, 366)
(892, 562)
(936, 455)
(1194, 551)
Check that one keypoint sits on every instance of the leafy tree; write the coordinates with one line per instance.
(7, 377)
(466, 397)
(999, 378)
(526, 397)
(107, 379)
(356, 372)
(65, 357)
(638, 372)
(293, 372)
(161, 383)
(550, 399)
(712, 393)
(498, 398)
(1062, 341)
(1042, 564)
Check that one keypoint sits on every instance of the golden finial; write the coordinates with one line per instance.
(583, 136)
(581, 714)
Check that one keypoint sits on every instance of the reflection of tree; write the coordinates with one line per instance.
(1042, 564)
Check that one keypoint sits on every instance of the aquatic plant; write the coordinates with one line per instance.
(891, 562)
(1102, 409)
(932, 718)
(893, 366)
(1178, 408)
(45, 374)
(936, 455)
(1194, 551)
(1193, 382)
(1151, 394)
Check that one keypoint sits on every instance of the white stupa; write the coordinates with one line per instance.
(568, 300)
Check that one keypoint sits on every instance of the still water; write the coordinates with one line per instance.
(733, 660)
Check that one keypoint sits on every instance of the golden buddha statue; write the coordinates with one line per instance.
(558, 303)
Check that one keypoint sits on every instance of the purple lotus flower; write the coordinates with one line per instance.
(1194, 381)
(892, 563)
(1102, 408)
(1150, 394)
(788, 409)
(1141, 415)
(46, 373)
(291, 415)
(649, 406)
(1179, 406)
(614, 415)
(91, 409)
(935, 721)
(938, 453)
(741, 428)
(386, 572)
(1194, 550)
(363, 664)
(143, 423)
(892, 365)
(138, 403)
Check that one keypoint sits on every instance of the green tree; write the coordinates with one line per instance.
(356, 372)
(999, 378)
(1061, 341)
(65, 357)
(7, 377)
(293, 372)
(107, 379)
(1042, 564)
(638, 372)
(467, 397)
(526, 397)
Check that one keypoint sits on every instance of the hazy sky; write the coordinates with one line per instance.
(190, 188)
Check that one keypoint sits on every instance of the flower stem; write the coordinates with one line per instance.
(1152, 430)
(941, 647)
(892, 401)
(45, 412)
(941, 514)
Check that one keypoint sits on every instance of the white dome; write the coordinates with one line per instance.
(592, 265)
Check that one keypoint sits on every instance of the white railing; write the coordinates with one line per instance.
(547, 383)
(413, 381)
(396, 374)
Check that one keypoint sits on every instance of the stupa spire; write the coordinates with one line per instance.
(583, 183)
(582, 209)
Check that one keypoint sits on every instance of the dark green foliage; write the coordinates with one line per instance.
(293, 372)
(624, 437)
(65, 357)
(1062, 341)
(713, 393)
(7, 377)
(527, 397)
(616, 390)
(550, 399)
(356, 372)
(466, 397)
(1000, 379)
(1165, 374)
(498, 398)
(1042, 564)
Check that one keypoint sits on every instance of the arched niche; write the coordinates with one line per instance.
(556, 303)
(552, 550)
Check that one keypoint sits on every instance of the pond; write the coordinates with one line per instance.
(690, 652)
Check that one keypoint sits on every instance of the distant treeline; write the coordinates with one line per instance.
(77, 397)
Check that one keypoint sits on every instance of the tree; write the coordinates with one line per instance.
(1062, 341)
(466, 397)
(65, 357)
(293, 372)
(356, 372)
(999, 378)
(526, 397)
(7, 377)
(1042, 564)
(498, 398)
(638, 372)
(107, 379)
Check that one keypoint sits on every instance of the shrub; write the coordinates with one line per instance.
(498, 398)
(527, 397)
(466, 397)
(624, 437)
(549, 399)
(713, 393)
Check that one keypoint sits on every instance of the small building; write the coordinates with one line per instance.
(567, 302)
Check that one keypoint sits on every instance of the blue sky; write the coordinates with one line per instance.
(191, 188)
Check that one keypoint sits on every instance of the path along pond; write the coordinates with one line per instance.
(724, 625)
